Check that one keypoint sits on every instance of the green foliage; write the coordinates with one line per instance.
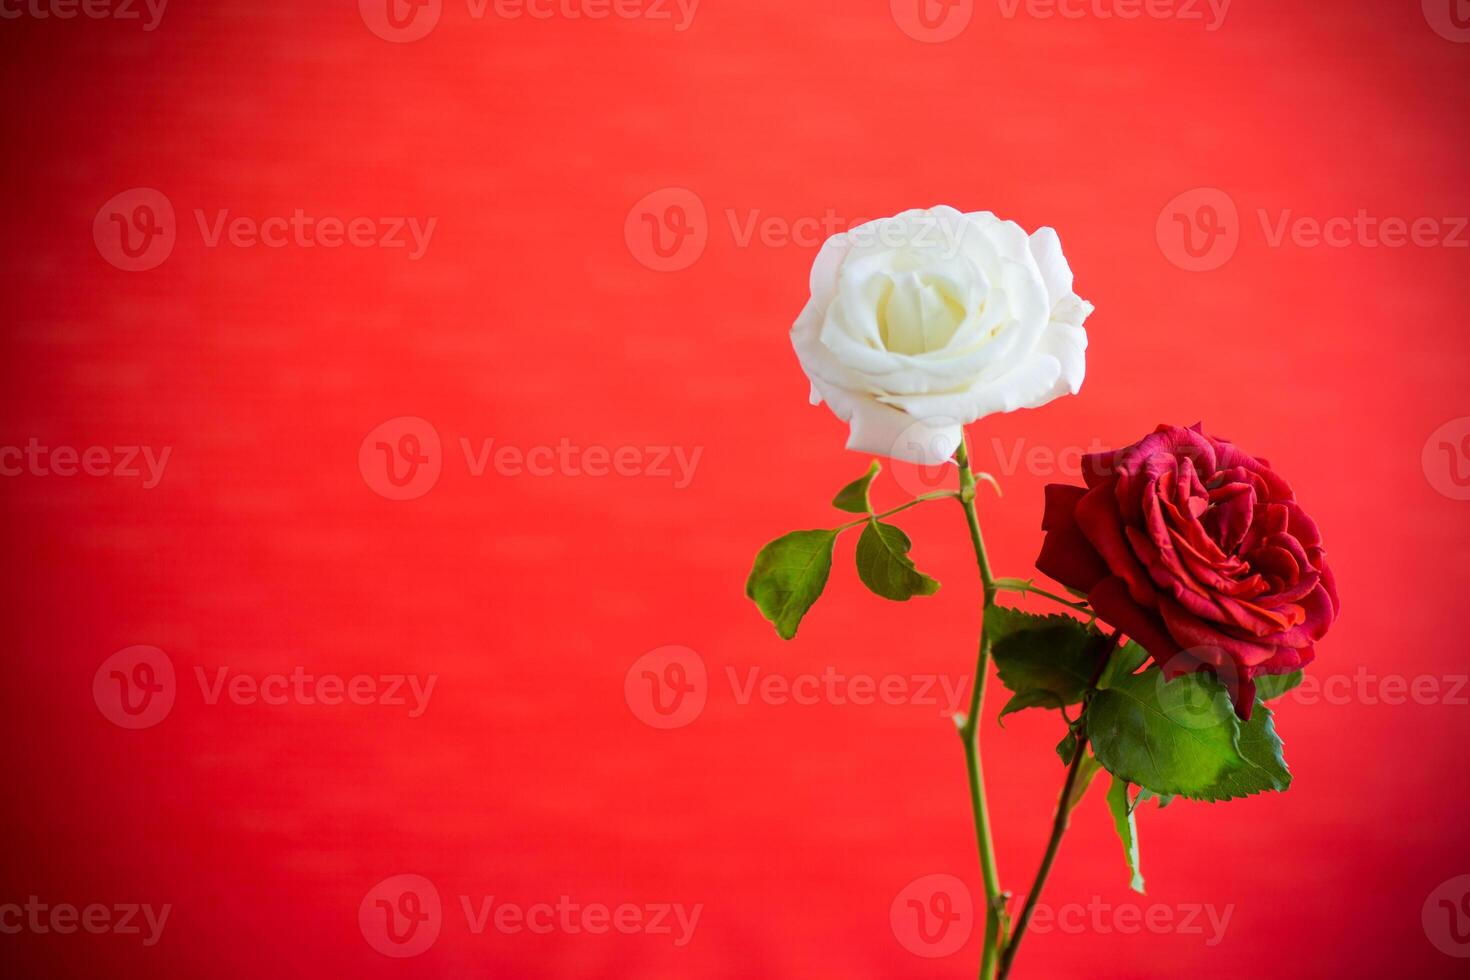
(1087, 771)
(1183, 738)
(853, 498)
(884, 565)
(1127, 827)
(1272, 686)
(788, 576)
(1126, 660)
(1045, 661)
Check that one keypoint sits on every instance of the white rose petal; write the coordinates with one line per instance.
(922, 323)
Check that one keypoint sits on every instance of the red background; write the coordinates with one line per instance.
(529, 320)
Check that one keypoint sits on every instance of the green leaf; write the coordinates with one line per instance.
(1165, 746)
(1127, 828)
(853, 498)
(1182, 738)
(1272, 686)
(1126, 660)
(1054, 654)
(1067, 747)
(1265, 769)
(789, 575)
(1030, 699)
(884, 565)
(1087, 771)
(1145, 795)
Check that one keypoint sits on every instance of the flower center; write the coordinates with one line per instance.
(918, 313)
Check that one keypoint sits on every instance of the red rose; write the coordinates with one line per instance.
(1197, 551)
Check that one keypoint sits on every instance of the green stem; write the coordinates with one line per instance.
(1060, 823)
(995, 927)
(1024, 586)
(936, 495)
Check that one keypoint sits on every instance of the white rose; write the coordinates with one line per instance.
(924, 322)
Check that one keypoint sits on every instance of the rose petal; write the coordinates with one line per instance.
(1114, 605)
(1066, 554)
(1097, 515)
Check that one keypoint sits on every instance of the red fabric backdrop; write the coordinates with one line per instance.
(537, 315)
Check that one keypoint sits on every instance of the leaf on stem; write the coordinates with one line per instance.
(1126, 660)
(1183, 738)
(1272, 686)
(1127, 828)
(1030, 699)
(853, 498)
(884, 565)
(788, 576)
(1067, 747)
(1053, 655)
(1145, 795)
(1265, 769)
(1087, 771)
